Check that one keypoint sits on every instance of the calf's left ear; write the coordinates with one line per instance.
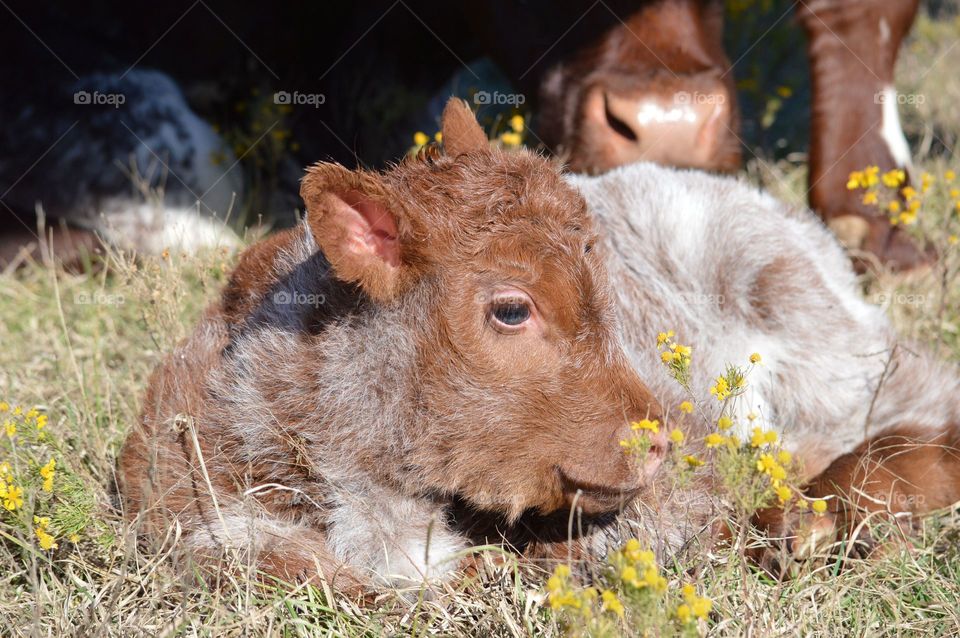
(352, 220)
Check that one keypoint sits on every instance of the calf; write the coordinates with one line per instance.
(439, 333)
(459, 335)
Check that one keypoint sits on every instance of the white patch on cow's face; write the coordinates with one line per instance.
(884, 31)
(891, 132)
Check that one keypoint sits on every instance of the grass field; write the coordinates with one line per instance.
(80, 346)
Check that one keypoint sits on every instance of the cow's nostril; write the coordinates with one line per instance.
(618, 125)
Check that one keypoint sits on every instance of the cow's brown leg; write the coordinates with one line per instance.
(895, 477)
(852, 47)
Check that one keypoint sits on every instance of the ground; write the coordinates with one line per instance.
(81, 346)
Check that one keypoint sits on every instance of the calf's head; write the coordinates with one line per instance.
(485, 261)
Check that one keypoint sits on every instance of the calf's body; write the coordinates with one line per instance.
(459, 333)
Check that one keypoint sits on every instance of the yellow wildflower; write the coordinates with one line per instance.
(686, 407)
(955, 192)
(438, 137)
(611, 603)
(894, 206)
(45, 539)
(721, 389)
(694, 606)
(755, 358)
(17, 411)
(10, 427)
(819, 506)
(713, 439)
(74, 538)
(41, 422)
(952, 240)
(892, 179)
(762, 437)
(663, 337)
(701, 607)
(4, 406)
(783, 493)
(666, 356)
(692, 461)
(420, 138)
(908, 192)
(32, 414)
(47, 472)
(511, 139)
(784, 457)
(646, 424)
(926, 181)
(724, 423)
(516, 123)
(949, 176)
(853, 182)
(676, 436)
(870, 198)
(13, 497)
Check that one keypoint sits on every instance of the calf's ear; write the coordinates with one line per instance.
(355, 224)
(461, 132)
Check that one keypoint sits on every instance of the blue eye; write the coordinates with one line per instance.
(511, 313)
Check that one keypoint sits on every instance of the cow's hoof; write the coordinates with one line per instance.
(874, 245)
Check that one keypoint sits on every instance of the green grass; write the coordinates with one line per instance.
(82, 346)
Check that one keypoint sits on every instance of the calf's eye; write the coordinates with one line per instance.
(512, 313)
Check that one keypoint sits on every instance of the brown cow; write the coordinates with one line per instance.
(657, 86)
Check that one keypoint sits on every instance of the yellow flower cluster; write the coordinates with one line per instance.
(638, 567)
(513, 137)
(694, 606)
(675, 356)
(46, 473)
(563, 595)
(635, 585)
(863, 179)
(28, 442)
(45, 539)
(901, 200)
(640, 444)
(421, 139)
(729, 384)
(11, 496)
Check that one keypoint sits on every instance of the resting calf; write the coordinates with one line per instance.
(459, 334)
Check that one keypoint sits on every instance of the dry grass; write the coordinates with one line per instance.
(83, 345)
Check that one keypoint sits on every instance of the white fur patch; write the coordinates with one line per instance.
(891, 132)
